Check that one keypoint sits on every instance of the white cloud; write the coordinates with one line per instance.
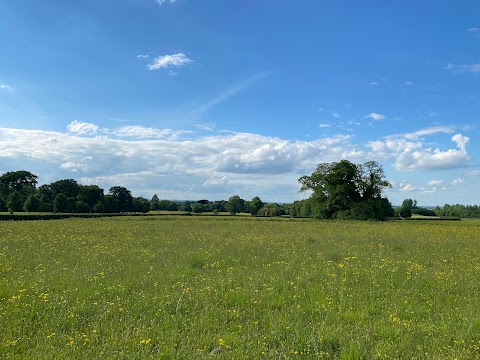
(434, 159)
(147, 160)
(461, 69)
(324, 125)
(474, 172)
(141, 132)
(430, 191)
(230, 92)
(6, 87)
(336, 115)
(411, 153)
(160, 2)
(458, 181)
(408, 83)
(82, 128)
(375, 116)
(140, 56)
(428, 131)
(435, 182)
(409, 188)
(166, 61)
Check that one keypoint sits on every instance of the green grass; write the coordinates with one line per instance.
(239, 288)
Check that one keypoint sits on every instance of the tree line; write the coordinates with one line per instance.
(338, 190)
(19, 192)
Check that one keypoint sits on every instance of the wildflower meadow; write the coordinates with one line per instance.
(239, 288)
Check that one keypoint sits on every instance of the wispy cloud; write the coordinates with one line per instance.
(161, 2)
(142, 56)
(142, 132)
(375, 116)
(462, 69)
(6, 87)
(166, 61)
(232, 91)
(435, 182)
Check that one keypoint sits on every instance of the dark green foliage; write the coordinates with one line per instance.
(62, 203)
(423, 211)
(90, 195)
(23, 181)
(255, 205)
(405, 212)
(141, 205)
(124, 198)
(68, 187)
(463, 211)
(198, 208)
(235, 205)
(154, 203)
(32, 204)
(343, 190)
(15, 201)
(186, 206)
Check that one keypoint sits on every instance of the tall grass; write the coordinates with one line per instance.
(198, 287)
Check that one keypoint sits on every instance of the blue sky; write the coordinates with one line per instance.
(194, 99)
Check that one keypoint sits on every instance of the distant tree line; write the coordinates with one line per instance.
(19, 192)
(462, 211)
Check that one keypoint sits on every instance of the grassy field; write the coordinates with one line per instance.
(239, 288)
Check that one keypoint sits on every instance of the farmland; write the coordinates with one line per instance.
(237, 287)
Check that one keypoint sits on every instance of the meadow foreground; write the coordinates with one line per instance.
(239, 288)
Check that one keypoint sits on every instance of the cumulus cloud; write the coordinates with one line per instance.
(462, 69)
(409, 188)
(458, 181)
(474, 172)
(145, 159)
(434, 159)
(187, 165)
(411, 154)
(82, 128)
(435, 182)
(166, 61)
(375, 116)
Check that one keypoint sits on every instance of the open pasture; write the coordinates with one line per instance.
(239, 288)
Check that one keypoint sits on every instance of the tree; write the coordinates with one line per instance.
(255, 205)
(108, 204)
(90, 195)
(154, 202)
(235, 205)
(406, 209)
(18, 180)
(15, 201)
(62, 203)
(68, 187)
(123, 197)
(197, 208)
(140, 204)
(345, 190)
(32, 203)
